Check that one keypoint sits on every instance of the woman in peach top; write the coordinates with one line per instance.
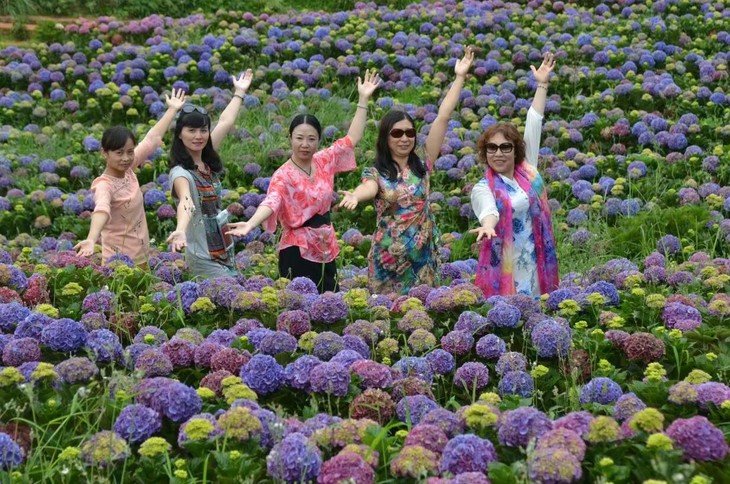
(119, 215)
(301, 193)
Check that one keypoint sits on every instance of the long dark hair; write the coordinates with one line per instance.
(179, 154)
(384, 162)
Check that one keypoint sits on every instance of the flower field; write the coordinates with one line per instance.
(119, 373)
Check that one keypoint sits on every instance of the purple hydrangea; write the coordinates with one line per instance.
(347, 357)
(21, 350)
(578, 422)
(518, 427)
(491, 347)
(504, 315)
(262, 374)
(77, 370)
(32, 326)
(681, 316)
(472, 322)
(472, 376)
(600, 390)
(11, 314)
(605, 289)
(64, 335)
(175, 400)
(153, 362)
(626, 406)
(414, 366)
(698, 438)
(411, 409)
(136, 423)
(446, 420)
(712, 392)
(372, 374)
(294, 459)
(511, 361)
(157, 336)
(104, 346)
(297, 373)
(303, 285)
(330, 377)
(11, 455)
(328, 308)
(327, 344)
(554, 465)
(441, 361)
(457, 342)
(98, 302)
(669, 244)
(516, 383)
(551, 339)
(276, 342)
(467, 453)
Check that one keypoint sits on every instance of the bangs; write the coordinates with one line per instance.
(193, 120)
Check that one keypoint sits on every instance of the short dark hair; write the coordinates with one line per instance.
(116, 137)
(509, 131)
(179, 154)
(306, 119)
(383, 158)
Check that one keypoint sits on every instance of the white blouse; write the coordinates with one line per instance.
(482, 198)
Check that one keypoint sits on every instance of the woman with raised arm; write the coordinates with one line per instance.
(518, 247)
(195, 175)
(404, 252)
(300, 195)
(119, 216)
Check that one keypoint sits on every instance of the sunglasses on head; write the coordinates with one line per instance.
(398, 133)
(504, 147)
(189, 108)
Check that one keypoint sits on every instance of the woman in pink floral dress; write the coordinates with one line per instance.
(300, 195)
(404, 252)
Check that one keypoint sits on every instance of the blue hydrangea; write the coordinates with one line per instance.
(517, 383)
(136, 423)
(518, 427)
(607, 290)
(297, 373)
(64, 335)
(11, 314)
(330, 377)
(414, 366)
(294, 459)
(551, 339)
(600, 390)
(441, 361)
(504, 315)
(104, 346)
(262, 374)
(411, 409)
(467, 453)
(11, 455)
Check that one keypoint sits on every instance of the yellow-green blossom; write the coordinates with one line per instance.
(697, 376)
(401, 434)
(180, 463)
(239, 391)
(270, 297)
(149, 339)
(711, 356)
(633, 280)
(181, 474)
(10, 376)
(490, 397)
(597, 333)
(205, 393)
(568, 307)
(655, 372)
(616, 322)
(147, 308)
(154, 446)
(725, 405)
(648, 420)
(43, 370)
(655, 301)
(603, 429)
(71, 289)
(234, 455)
(659, 441)
(596, 298)
(605, 462)
(605, 366)
(48, 310)
(479, 416)
(639, 292)
(239, 423)
(717, 282)
(387, 347)
(356, 298)
(122, 270)
(700, 480)
(306, 341)
(539, 371)
(412, 303)
(581, 325)
(202, 304)
(654, 481)
(69, 453)
(198, 429)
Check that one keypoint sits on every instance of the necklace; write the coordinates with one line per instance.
(308, 173)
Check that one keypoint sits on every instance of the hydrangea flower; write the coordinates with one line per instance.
(467, 453)
(600, 390)
(137, 423)
(521, 425)
(294, 459)
(698, 438)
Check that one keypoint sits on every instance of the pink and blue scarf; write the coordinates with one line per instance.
(495, 271)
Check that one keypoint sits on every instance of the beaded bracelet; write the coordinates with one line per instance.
(238, 96)
(362, 107)
(542, 85)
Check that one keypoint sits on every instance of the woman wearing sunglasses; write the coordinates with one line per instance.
(195, 177)
(300, 195)
(404, 252)
(119, 216)
(518, 247)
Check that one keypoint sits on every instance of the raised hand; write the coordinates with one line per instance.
(239, 229)
(85, 248)
(177, 240)
(484, 232)
(349, 200)
(368, 85)
(542, 73)
(464, 64)
(177, 100)
(243, 82)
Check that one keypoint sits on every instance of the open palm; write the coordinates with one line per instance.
(542, 73)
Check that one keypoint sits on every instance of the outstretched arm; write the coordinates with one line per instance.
(242, 229)
(185, 208)
(438, 128)
(365, 89)
(155, 134)
(367, 190)
(542, 76)
(85, 248)
(229, 115)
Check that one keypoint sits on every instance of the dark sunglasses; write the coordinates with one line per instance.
(398, 133)
(504, 148)
(189, 108)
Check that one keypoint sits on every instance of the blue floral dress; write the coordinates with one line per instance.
(403, 254)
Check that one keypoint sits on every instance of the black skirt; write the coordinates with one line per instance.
(323, 274)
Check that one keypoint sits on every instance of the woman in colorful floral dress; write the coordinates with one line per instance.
(300, 195)
(518, 247)
(404, 252)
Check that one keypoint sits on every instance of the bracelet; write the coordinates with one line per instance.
(542, 85)
(238, 96)
(362, 107)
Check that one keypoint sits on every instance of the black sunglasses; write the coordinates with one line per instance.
(504, 147)
(398, 133)
(189, 108)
